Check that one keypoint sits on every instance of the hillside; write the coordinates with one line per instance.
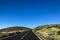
(49, 32)
(12, 30)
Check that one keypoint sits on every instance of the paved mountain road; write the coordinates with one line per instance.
(29, 35)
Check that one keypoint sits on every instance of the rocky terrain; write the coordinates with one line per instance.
(12, 30)
(49, 32)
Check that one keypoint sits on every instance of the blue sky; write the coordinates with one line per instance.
(29, 13)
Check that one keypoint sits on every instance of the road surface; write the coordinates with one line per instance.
(29, 35)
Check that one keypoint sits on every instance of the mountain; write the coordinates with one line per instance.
(49, 32)
(12, 30)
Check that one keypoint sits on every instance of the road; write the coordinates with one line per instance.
(29, 35)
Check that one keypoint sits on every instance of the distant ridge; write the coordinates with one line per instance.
(14, 28)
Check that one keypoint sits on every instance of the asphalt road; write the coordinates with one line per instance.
(29, 35)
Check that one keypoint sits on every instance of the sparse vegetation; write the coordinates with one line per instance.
(58, 32)
(49, 32)
(12, 30)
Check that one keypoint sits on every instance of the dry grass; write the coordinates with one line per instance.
(51, 32)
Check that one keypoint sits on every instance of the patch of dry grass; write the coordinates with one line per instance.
(51, 32)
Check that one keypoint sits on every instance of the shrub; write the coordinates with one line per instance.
(58, 32)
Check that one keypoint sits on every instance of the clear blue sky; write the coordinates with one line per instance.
(29, 13)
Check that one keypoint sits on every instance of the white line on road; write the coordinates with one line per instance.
(24, 35)
(9, 36)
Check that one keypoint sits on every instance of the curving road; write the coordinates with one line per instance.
(29, 35)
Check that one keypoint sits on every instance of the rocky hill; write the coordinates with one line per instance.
(12, 30)
(49, 32)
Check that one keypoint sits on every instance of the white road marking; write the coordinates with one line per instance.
(9, 36)
(24, 35)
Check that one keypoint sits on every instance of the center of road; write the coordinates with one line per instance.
(24, 35)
